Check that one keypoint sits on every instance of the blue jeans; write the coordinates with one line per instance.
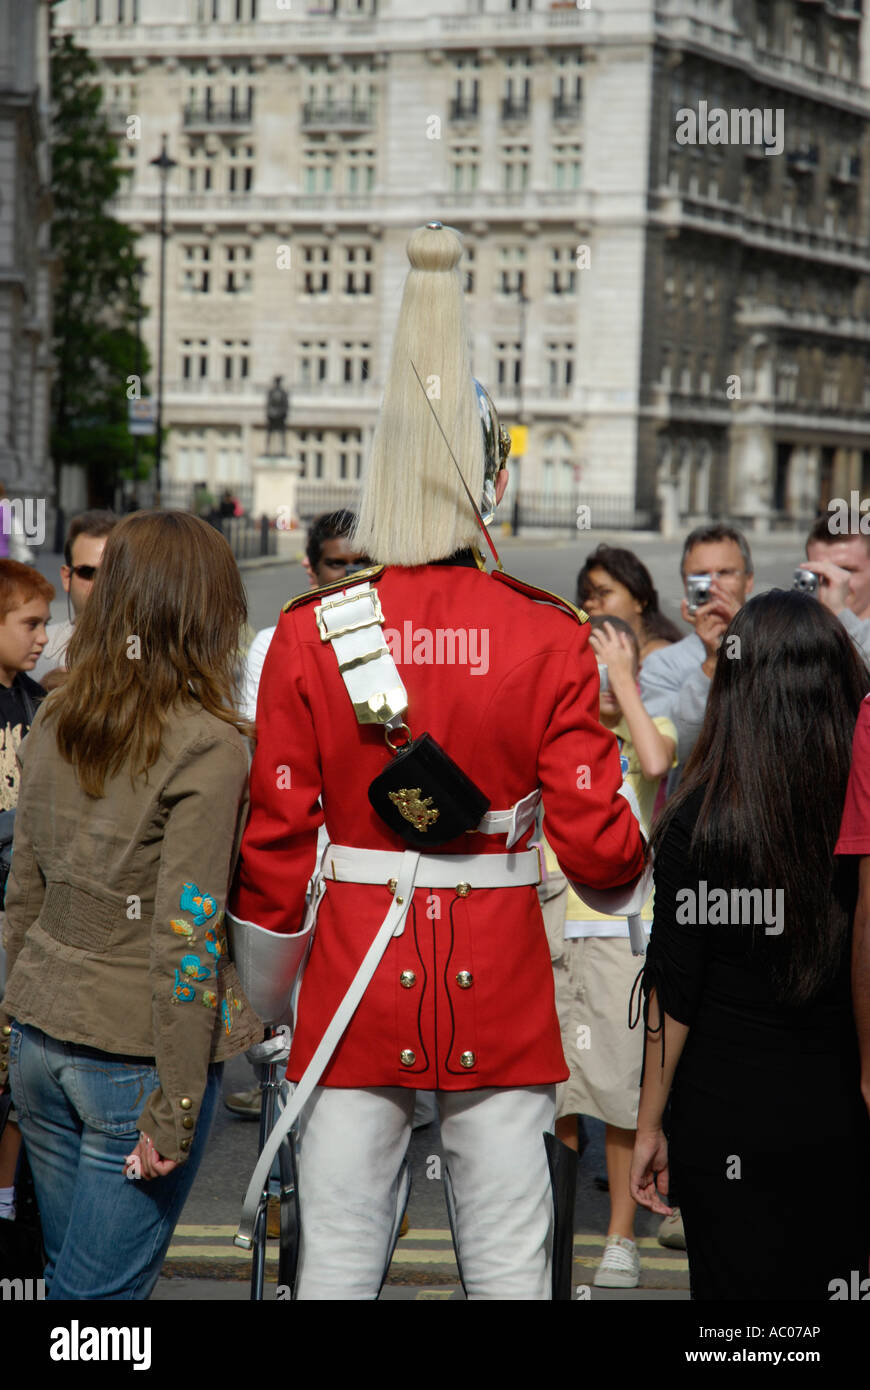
(105, 1235)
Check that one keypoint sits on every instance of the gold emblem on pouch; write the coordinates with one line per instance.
(415, 808)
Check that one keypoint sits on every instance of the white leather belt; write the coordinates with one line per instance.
(462, 872)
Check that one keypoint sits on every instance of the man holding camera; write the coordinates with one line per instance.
(842, 564)
(718, 576)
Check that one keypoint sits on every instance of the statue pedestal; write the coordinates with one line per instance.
(275, 478)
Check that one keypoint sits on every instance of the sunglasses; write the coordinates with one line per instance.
(85, 572)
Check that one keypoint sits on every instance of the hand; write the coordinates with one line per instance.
(834, 588)
(146, 1161)
(649, 1171)
(614, 650)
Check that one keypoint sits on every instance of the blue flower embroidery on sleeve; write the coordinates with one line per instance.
(201, 905)
(183, 993)
(192, 967)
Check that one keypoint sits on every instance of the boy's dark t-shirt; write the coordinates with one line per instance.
(18, 704)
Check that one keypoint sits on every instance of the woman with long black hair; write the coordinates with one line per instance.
(749, 1025)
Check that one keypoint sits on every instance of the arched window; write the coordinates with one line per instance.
(557, 465)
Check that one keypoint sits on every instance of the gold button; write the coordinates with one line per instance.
(407, 1057)
(185, 1145)
(400, 901)
(468, 1059)
(7, 1030)
(188, 1122)
(464, 979)
(4, 1047)
(185, 1102)
(392, 885)
(407, 979)
(463, 889)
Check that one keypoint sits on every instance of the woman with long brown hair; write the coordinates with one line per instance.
(121, 1002)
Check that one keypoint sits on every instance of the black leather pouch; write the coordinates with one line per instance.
(424, 797)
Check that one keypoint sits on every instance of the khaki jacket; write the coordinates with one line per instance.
(114, 912)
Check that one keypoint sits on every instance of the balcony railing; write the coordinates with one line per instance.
(514, 110)
(463, 110)
(217, 113)
(804, 160)
(565, 110)
(336, 115)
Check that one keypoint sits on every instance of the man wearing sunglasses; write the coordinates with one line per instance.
(83, 551)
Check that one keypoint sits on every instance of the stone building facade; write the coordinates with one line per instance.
(663, 316)
(25, 265)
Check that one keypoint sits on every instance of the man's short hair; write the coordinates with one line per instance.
(19, 584)
(93, 523)
(327, 527)
(820, 531)
(707, 535)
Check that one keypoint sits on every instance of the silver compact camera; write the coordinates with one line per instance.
(805, 581)
(603, 677)
(698, 590)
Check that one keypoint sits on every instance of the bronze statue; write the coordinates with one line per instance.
(277, 406)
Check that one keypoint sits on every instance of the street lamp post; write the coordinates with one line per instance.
(520, 375)
(139, 281)
(164, 164)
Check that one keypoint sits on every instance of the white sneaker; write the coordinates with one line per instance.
(620, 1265)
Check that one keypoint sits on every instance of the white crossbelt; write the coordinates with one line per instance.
(409, 869)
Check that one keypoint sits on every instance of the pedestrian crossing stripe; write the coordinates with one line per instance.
(418, 1247)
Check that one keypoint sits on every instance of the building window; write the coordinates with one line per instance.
(240, 173)
(568, 87)
(558, 470)
(237, 268)
(235, 358)
(315, 276)
(515, 167)
(466, 90)
(195, 271)
(319, 168)
(313, 362)
(567, 165)
(666, 370)
(357, 270)
(787, 382)
(560, 367)
(464, 168)
(311, 453)
(360, 171)
(468, 267)
(831, 386)
(517, 89)
(508, 364)
(355, 362)
(563, 270)
(349, 455)
(194, 359)
(201, 164)
(512, 271)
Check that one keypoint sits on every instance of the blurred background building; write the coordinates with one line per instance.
(25, 264)
(683, 326)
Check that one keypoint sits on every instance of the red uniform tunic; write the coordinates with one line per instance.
(521, 712)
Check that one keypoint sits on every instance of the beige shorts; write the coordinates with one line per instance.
(594, 976)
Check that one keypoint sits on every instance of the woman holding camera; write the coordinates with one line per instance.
(121, 1003)
(750, 1034)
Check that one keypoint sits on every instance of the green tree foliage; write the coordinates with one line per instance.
(96, 296)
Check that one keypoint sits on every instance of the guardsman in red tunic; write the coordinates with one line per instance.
(461, 1001)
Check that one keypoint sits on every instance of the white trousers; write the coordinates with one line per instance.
(351, 1146)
